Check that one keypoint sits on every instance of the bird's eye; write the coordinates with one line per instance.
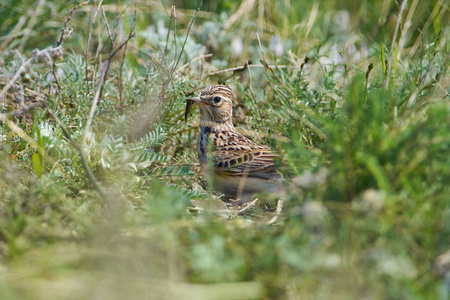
(217, 99)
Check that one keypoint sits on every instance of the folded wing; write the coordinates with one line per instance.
(236, 155)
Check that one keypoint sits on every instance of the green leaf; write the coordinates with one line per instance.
(37, 165)
(40, 148)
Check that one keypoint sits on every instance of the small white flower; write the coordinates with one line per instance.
(236, 47)
(276, 46)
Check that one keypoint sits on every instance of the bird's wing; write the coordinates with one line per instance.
(239, 156)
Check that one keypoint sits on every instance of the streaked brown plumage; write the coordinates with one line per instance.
(240, 166)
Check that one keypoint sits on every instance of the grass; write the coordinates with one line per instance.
(100, 191)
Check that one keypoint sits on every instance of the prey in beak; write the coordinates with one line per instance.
(189, 103)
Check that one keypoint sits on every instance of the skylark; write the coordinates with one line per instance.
(234, 164)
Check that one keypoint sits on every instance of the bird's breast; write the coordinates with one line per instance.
(202, 150)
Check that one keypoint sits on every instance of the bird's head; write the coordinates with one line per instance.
(216, 104)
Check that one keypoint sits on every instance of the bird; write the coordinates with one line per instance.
(232, 163)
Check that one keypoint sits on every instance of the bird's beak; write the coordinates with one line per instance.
(197, 100)
(189, 104)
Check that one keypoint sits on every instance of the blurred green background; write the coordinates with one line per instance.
(353, 95)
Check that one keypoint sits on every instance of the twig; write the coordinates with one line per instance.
(247, 206)
(130, 36)
(277, 212)
(447, 94)
(242, 182)
(260, 46)
(168, 30)
(243, 67)
(111, 39)
(160, 65)
(16, 129)
(63, 30)
(192, 60)
(103, 71)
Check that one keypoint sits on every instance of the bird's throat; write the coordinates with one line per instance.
(217, 125)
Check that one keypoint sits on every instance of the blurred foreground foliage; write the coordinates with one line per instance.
(115, 209)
